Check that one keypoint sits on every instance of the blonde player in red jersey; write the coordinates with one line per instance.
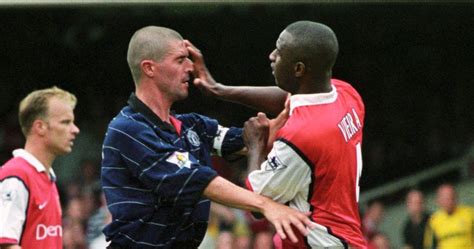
(30, 212)
(316, 161)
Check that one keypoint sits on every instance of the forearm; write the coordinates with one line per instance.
(266, 99)
(255, 158)
(224, 192)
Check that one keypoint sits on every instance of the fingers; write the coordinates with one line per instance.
(300, 221)
(191, 47)
(301, 227)
(195, 53)
(290, 233)
(262, 118)
(287, 101)
(308, 222)
(280, 231)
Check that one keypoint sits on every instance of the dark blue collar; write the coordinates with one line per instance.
(138, 106)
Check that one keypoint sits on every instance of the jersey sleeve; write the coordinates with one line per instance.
(224, 140)
(282, 175)
(13, 207)
(174, 175)
(227, 141)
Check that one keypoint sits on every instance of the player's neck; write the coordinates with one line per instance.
(315, 87)
(156, 101)
(38, 150)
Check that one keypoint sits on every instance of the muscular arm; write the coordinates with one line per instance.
(282, 217)
(267, 99)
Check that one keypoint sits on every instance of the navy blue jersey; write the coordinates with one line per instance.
(153, 175)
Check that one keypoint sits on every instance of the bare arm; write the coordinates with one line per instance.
(267, 99)
(281, 216)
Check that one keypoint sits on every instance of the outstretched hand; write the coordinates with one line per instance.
(202, 77)
(283, 218)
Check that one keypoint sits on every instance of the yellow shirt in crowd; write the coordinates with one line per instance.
(455, 231)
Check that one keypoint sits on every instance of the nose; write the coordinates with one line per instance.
(272, 55)
(75, 129)
(190, 68)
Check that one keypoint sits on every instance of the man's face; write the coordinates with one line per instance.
(415, 203)
(282, 66)
(446, 198)
(60, 128)
(174, 71)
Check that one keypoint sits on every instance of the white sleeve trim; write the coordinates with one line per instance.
(219, 138)
(282, 176)
(13, 205)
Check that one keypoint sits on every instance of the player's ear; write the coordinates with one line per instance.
(39, 127)
(148, 68)
(300, 69)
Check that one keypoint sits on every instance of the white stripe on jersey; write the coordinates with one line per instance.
(219, 138)
(13, 204)
(286, 177)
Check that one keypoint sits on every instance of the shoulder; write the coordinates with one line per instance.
(349, 93)
(15, 167)
(128, 121)
(466, 209)
(346, 88)
(190, 117)
(194, 119)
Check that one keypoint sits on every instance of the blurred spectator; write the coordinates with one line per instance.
(99, 217)
(373, 216)
(379, 241)
(228, 227)
(90, 173)
(233, 228)
(452, 226)
(73, 225)
(414, 228)
(262, 233)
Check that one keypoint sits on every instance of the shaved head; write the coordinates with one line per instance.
(148, 43)
(314, 44)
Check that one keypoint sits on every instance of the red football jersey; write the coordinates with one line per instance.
(316, 163)
(30, 211)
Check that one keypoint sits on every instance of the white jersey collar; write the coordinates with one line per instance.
(32, 160)
(298, 100)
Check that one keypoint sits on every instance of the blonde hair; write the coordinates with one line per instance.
(35, 106)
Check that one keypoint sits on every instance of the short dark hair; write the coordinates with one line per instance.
(150, 42)
(314, 43)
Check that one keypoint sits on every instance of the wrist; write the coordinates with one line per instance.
(261, 204)
(218, 90)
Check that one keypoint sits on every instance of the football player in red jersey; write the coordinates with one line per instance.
(316, 162)
(30, 212)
